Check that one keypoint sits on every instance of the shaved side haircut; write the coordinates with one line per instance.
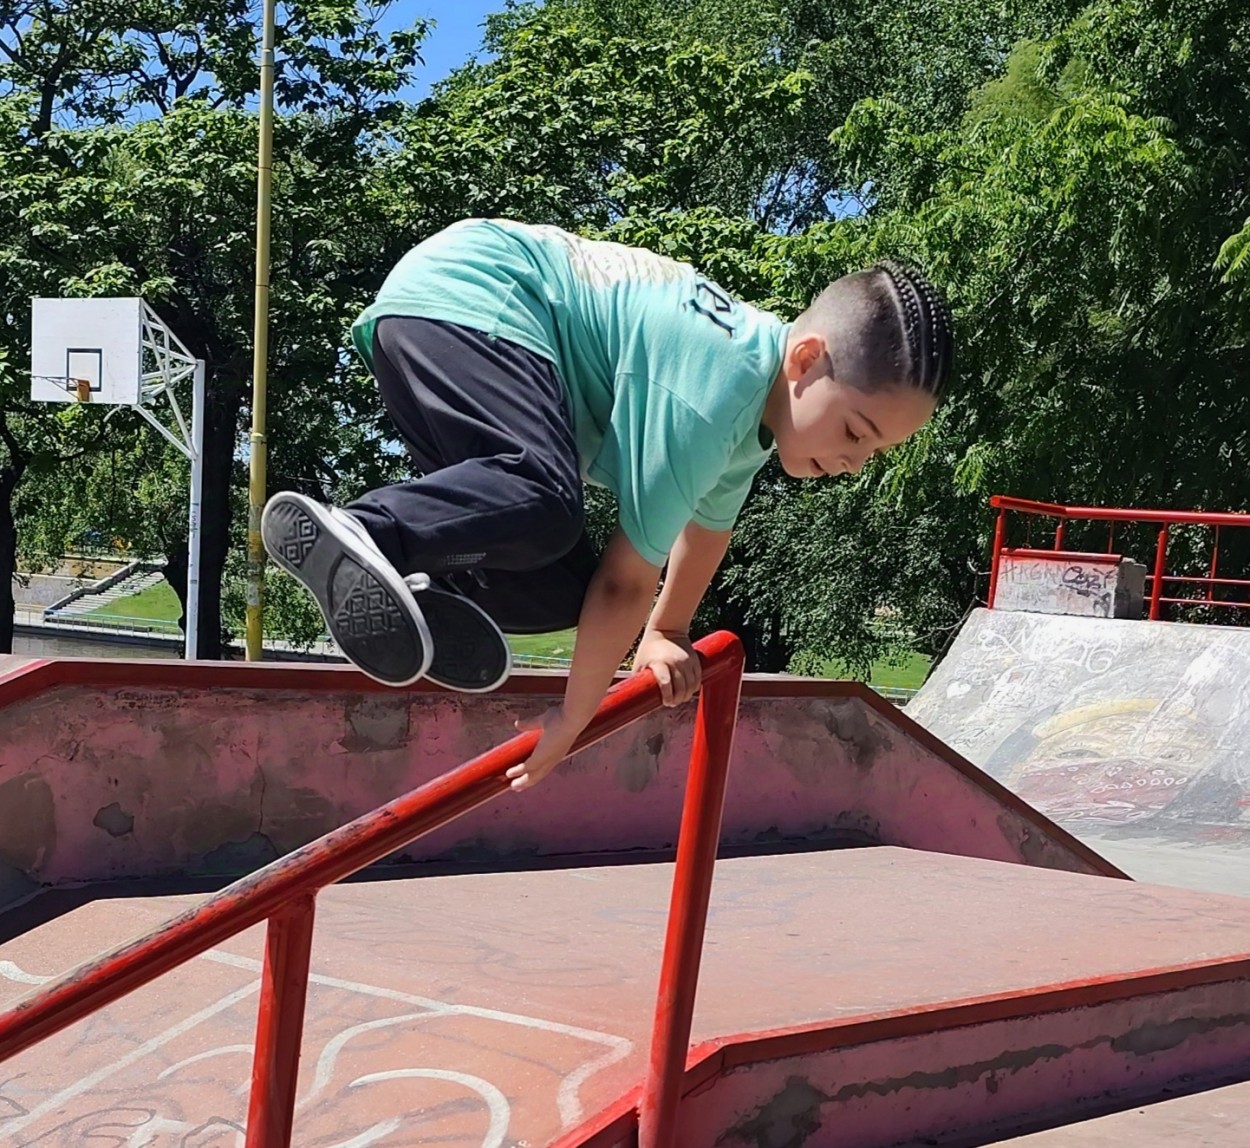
(886, 326)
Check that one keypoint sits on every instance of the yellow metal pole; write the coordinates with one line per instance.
(260, 351)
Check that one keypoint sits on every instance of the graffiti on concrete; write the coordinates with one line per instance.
(438, 1070)
(1102, 721)
(1089, 587)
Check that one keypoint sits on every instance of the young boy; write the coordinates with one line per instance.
(517, 360)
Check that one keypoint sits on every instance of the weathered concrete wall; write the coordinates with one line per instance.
(967, 1083)
(109, 781)
(1084, 586)
(44, 589)
(1144, 726)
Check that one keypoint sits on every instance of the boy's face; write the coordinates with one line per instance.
(825, 425)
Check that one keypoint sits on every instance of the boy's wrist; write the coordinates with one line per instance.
(659, 630)
(580, 709)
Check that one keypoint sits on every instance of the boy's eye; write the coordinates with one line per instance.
(850, 434)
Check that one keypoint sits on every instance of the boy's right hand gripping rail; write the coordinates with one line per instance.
(284, 893)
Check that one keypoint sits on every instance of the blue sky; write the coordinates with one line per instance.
(456, 36)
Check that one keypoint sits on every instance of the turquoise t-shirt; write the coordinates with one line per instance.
(666, 373)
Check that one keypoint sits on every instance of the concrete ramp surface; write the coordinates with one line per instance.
(114, 770)
(1133, 735)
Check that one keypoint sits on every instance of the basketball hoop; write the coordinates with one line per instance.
(80, 389)
(117, 353)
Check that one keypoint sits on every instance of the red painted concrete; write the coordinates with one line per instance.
(502, 1009)
(951, 1080)
(138, 769)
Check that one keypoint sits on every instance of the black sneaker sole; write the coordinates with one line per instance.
(471, 654)
(370, 613)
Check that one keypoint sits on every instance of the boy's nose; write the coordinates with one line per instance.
(856, 463)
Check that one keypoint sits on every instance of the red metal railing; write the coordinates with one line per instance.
(284, 893)
(1158, 579)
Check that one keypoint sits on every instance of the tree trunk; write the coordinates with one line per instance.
(221, 429)
(765, 654)
(175, 573)
(10, 476)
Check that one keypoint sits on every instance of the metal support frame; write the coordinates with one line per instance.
(284, 893)
(1159, 578)
(172, 364)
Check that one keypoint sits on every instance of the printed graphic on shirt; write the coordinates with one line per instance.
(710, 301)
(600, 263)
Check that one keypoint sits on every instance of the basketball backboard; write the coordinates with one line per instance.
(88, 349)
(117, 352)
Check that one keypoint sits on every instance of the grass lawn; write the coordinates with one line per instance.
(155, 604)
(907, 675)
(557, 645)
(159, 604)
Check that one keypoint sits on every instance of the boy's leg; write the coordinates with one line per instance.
(535, 601)
(486, 421)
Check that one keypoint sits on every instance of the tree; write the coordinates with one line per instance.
(164, 206)
(1074, 219)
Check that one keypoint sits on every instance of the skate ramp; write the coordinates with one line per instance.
(113, 770)
(1133, 735)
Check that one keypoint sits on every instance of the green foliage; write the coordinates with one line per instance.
(1075, 177)
(573, 127)
(1021, 93)
(101, 197)
(1234, 256)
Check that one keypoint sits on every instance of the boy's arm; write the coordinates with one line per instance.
(617, 600)
(665, 647)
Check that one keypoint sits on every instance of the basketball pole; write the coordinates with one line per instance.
(260, 352)
(198, 398)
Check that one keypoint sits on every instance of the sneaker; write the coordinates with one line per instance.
(471, 654)
(370, 612)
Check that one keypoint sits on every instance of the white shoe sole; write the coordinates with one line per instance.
(370, 612)
(471, 654)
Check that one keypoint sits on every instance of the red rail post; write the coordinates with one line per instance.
(1215, 561)
(1059, 535)
(280, 1024)
(1000, 532)
(687, 918)
(1156, 584)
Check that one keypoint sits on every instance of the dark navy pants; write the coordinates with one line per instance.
(497, 504)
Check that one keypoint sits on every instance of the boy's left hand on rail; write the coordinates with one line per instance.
(672, 659)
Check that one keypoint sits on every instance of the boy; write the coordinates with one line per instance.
(517, 360)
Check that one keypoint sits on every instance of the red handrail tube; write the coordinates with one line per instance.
(1090, 556)
(1164, 519)
(687, 915)
(1114, 514)
(1000, 535)
(280, 1024)
(1156, 581)
(285, 892)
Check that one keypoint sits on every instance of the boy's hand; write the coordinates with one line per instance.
(559, 733)
(672, 658)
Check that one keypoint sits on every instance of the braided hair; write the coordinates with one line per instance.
(885, 325)
(925, 326)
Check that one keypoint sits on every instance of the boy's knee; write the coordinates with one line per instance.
(564, 521)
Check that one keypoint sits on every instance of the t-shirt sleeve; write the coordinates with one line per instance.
(720, 507)
(655, 453)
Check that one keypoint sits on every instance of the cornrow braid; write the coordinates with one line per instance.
(926, 327)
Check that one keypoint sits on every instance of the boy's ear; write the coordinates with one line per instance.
(802, 353)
